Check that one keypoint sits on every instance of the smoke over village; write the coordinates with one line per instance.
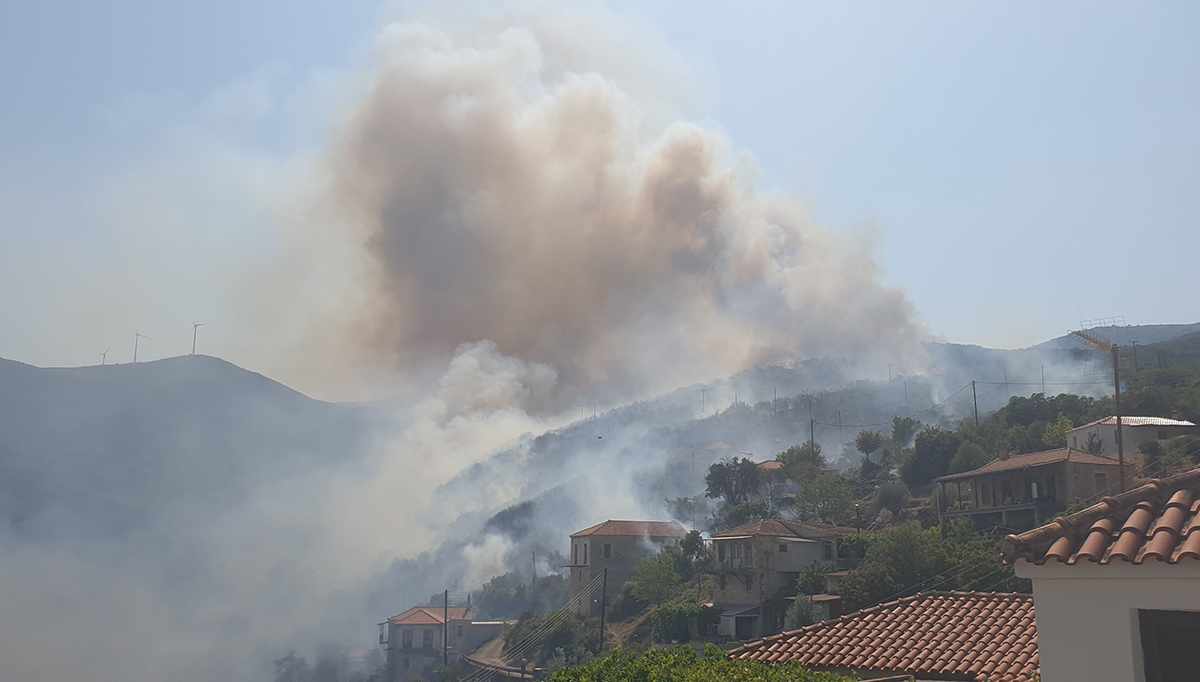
(498, 279)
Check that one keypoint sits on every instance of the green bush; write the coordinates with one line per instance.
(681, 664)
(681, 621)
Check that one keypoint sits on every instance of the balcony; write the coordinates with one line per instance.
(735, 565)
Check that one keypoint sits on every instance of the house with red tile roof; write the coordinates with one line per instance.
(618, 546)
(413, 640)
(1021, 491)
(1134, 430)
(755, 560)
(990, 636)
(1117, 585)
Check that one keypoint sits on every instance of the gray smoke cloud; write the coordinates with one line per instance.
(507, 218)
(497, 189)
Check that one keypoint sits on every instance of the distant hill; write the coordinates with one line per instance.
(101, 450)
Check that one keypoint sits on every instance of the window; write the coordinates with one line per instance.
(383, 634)
(427, 639)
(783, 548)
(1169, 650)
(722, 582)
(607, 550)
(1075, 442)
(458, 631)
(1101, 484)
(585, 546)
(575, 554)
(1162, 435)
(406, 663)
(1051, 489)
(986, 494)
(827, 550)
(721, 551)
(406, 639)
(1006, 492)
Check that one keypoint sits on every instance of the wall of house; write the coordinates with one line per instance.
(626, 552)
(1087, 615)
(1077, 438)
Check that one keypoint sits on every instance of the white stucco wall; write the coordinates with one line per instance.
(1087, 615)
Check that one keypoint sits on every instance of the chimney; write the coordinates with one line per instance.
(1003, 454)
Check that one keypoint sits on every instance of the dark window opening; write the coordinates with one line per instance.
(585, 546)
(828, 549)
(406, 663)
(783, 548)
(1051, 489)
(406, 639)
(1101, 484)
(1006, 492)
(721, 552)
(574, 554)
(1169, 651)
(607, 550)
(458, 631)
(427, 639)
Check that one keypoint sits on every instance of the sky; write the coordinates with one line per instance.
(1019, 166)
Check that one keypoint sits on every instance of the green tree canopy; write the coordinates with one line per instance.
(801, 462)
(733, 480)
(892, 496)
(1055, 435)
(932, 451)
(903, 429)
(681, 664)
(825, 498)
(867, 442)
(968, 458)
(656, 579)
(747, 512)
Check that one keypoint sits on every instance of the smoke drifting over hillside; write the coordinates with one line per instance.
(498, 193)
(507, 215)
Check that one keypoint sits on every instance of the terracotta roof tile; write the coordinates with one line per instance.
(984, 636)
(785, 529)
(644, 529)
(1034, 459)
(1159, 521)
(1137, 421)
(430, 615)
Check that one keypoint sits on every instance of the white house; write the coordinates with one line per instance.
(1134, 430)
(1117, 586)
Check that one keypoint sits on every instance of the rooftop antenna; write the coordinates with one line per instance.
(196, 326)
(104, 356)
(136, 337)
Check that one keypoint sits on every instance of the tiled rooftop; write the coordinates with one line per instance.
(933, 635)
(1159, 521)
(1033, 459)
(783, 529)
(1137, 421)
(641, 529)
(430, 615)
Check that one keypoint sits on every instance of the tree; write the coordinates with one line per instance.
(656, 580)
(898, 558)
(292, 668)
(892, 497)
(825, 498)
(749, 511)
(1151, 451)
(1055, 435)
(802, 613)
(903, 429)
(733, 479)
(682, 664)
(1094, 444)
(812, 578)
(933, 448)
(802, 462)
(867, 442)
(968, 458)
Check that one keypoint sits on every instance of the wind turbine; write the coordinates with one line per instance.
(136, 336)
(196, 326)
(104, 356)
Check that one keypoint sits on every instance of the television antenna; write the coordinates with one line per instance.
(137, 336)
(196, 326)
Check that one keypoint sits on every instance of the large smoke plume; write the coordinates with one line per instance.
(507, 214)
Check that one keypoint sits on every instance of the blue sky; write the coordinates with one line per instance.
(1022, 165)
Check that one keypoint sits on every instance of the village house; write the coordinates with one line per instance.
(618, 546)
(1118, 585)
(1021, 491)
(1134, 430)
(983, 636)
(414, 640)
(755, 560)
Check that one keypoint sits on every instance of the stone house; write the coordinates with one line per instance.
(1023, 490)
(755, 560)
(1134, 430)
(1117, 585)
(618, 546)
(414, 639)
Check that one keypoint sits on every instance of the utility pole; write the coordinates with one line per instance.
(446, 629)
(1135, 362)
(703, 404)
(889, 372)
(1105, 346)
(1043, 381)
(906, 394)
(841, 431)
(1006, 391)
(603, 608)
(812, 432)
(975, 401)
